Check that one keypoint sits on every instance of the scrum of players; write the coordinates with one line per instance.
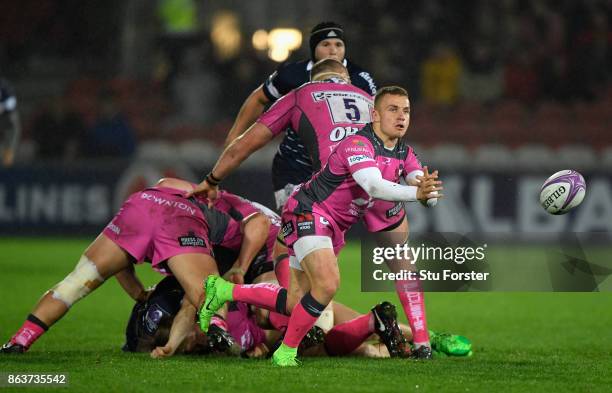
(242, 279)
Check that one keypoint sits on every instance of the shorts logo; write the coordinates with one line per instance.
(191, 240)
(394, 210)
(352, 160)
(287, 229)
(305, 224)
(323, 220)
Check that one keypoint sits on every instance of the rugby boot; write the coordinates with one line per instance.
(385, 325)
(421, 353)
(218, 291)
(285, 356)
(221, 341)
(11, 347)
(450, 344)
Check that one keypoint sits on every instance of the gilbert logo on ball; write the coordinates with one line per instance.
(562, 192)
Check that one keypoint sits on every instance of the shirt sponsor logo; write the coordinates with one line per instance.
(352, 160)
(305, 225)
(287, 229)
(394, 210)
(366, 76)
(114, 228)
(191, 240)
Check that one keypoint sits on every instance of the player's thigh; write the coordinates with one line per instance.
(191, 270)
(343, 313)
(107, 256)
(321, 267)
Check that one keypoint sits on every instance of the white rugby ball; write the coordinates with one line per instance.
(562, 192)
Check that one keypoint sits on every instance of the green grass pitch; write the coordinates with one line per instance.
(531, 342)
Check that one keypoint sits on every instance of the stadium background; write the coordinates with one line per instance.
(114, 95)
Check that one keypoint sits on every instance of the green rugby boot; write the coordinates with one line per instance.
(218, 291)
(450, 344)
(285, 356)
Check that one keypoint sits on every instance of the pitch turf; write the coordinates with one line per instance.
(523, 341)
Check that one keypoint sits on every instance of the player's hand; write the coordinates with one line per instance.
(204, 189)
(428, 186)
(162, 352)
(235, 275)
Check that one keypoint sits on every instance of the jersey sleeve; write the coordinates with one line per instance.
(363, 80)
(356, 153)
(412, 162)
(278, 116)
(279, 83)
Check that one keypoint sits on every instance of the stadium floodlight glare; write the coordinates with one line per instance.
(278, 54)
(282, 41)
(260, 40)
(225, 34)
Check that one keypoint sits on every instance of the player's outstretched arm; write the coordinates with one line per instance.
(181, 327)
(249, 112)
(371, 180)
(238, 151)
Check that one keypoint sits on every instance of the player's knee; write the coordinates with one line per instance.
(328, 287)
(79, 283)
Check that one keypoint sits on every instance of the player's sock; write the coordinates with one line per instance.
(282, 270)
(29, 332)
(278, 321)
(265, 295)
(344, 338)
(220, 322)
(411, 296)
(303, 318)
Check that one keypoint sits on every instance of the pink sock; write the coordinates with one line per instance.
(263, 295)
(344, 338)
(27, 334)
(303, 317)
(219, 322)
(411, 296)
(282, 272)
(279, 321)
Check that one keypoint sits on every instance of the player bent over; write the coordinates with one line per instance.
(318, 214)
(157, 225)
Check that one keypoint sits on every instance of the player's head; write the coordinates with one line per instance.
(327, 42)
(391, 113)
(328, 68)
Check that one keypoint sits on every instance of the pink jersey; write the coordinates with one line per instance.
(322, 114)
(239, 208)
(334, 193)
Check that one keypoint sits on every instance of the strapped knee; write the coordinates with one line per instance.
(79, 283)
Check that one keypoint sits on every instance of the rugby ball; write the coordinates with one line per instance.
(562, 192)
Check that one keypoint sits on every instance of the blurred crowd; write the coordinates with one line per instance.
(479, 72)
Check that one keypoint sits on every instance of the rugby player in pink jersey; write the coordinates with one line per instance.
(316, 216)
(157, 225)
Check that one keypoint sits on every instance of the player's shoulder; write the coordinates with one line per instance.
(361, 78)
(293, 70)
(357, 143)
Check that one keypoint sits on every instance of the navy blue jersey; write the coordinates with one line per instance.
(292, 163)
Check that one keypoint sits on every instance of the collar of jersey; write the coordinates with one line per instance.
(310, 64)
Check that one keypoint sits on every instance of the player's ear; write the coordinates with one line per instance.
(375, 115)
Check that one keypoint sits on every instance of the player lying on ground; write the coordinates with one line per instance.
(155, 323)
(317, 215)
(157, 225)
